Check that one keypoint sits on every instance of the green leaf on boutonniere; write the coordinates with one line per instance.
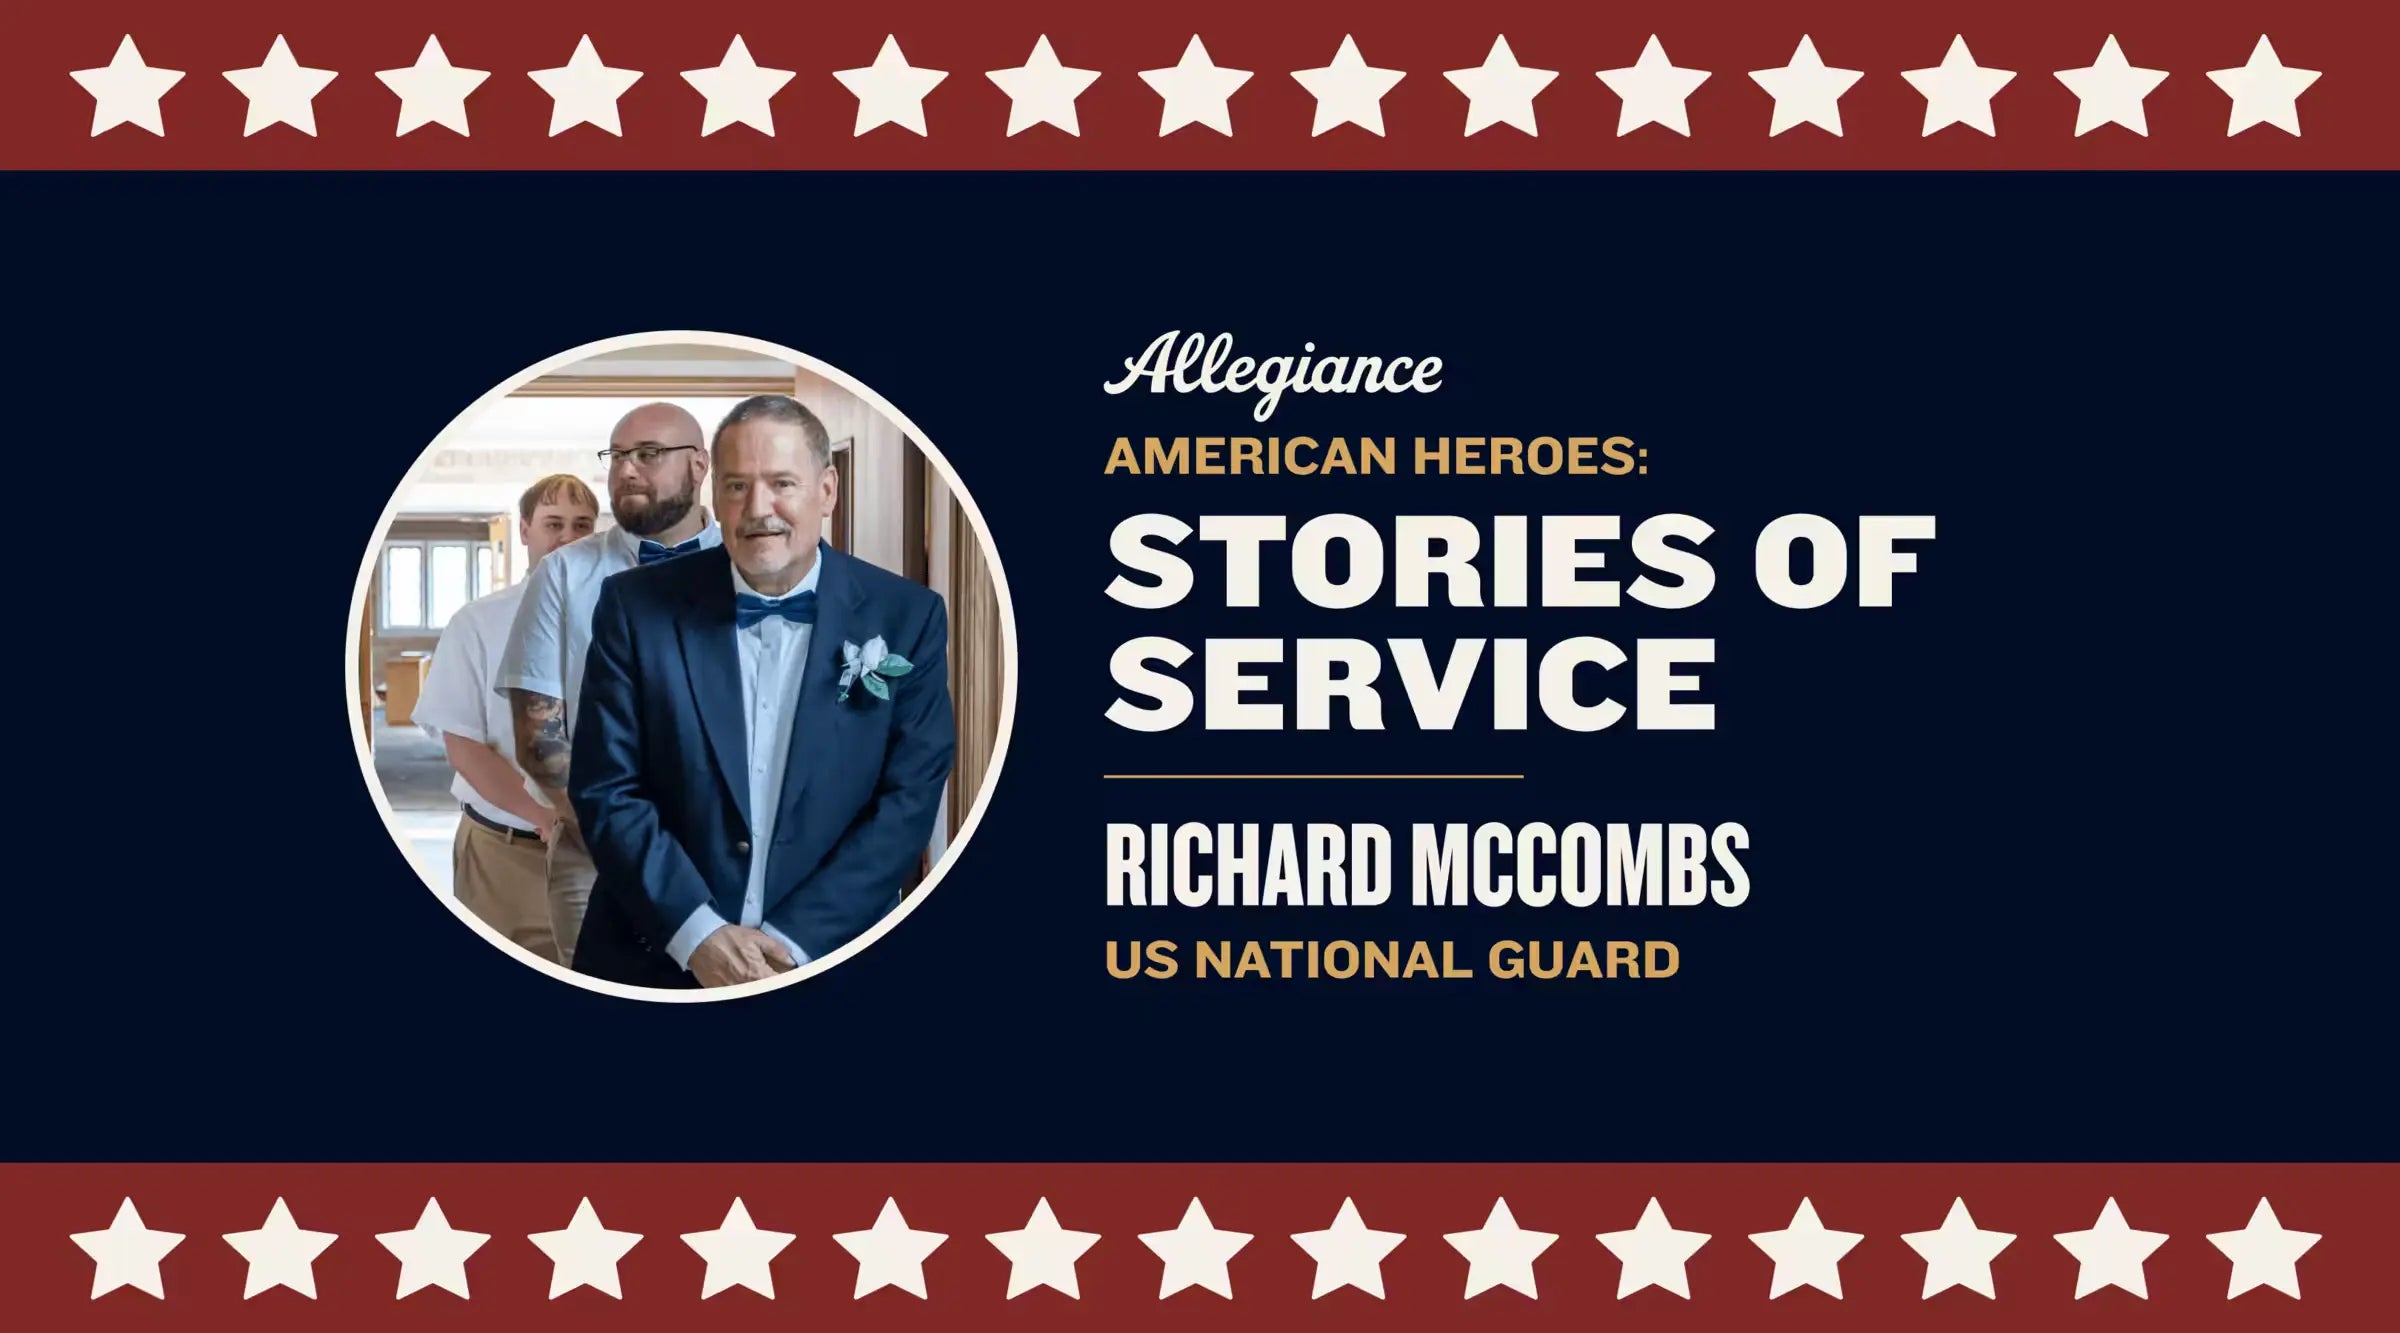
(893, 664)
(875, 685)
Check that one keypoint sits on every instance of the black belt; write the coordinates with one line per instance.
(508, 831)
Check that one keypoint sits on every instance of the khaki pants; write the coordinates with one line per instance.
(571, 876)
(503, 880)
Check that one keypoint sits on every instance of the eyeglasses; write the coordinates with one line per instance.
(646, 455)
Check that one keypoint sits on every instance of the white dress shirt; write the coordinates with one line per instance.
(774, 655)
(459, 699)
(553, 629)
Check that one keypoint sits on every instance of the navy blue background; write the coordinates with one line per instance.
(2079, 852)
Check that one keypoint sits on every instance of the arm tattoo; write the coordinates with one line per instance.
(542, 747)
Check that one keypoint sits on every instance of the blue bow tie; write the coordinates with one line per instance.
(652, 552)
(749, 608)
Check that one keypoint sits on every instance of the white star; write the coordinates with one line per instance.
(889, 1254)
(585, 1254)
(2111, 1253)
(433, 91)
(1500, 1253)
(1500, 91)
(281, 90)
(1042, 90)
(584, 91)
(280, 1254)
(1806, 92)
(1195, 1254)
(432, 1253)
(738, 1254)
(1652, 89)
(1348, 1253)
(1349, 91)
(1653, 1253)
(2263, 1253)
(125, 91)
(1806, 1254)
(1042, 1253)
(2265, 91)
(127, 1254)
(1195, 90)
(738, 90)
(1959, 1254)
(891, 91)
(1958, 91)
(2111, 90)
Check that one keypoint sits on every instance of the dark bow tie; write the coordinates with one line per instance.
(749, 608)
(652, 552)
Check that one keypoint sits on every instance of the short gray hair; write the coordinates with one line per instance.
(777, 407)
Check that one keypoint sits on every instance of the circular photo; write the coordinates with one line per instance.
(681, 665)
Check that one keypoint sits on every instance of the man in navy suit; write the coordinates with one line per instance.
(764, 735)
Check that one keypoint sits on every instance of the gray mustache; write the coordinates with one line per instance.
(763, 529)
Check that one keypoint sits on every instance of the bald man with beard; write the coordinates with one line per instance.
(657, 458)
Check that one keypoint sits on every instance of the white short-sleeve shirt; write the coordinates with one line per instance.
(459, 699)
(553, 627)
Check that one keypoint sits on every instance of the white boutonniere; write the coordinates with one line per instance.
(874, 666)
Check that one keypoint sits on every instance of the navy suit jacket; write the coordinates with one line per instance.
(660, 769)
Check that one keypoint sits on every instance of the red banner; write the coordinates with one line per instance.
(2190, 1248)
(1078, 84)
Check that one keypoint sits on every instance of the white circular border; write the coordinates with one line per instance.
(1008, 663)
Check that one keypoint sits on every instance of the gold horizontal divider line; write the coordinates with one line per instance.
(1313, 777)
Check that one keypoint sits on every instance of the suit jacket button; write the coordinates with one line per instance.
(741, 849)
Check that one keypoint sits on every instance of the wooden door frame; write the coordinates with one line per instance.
(978, 664)
(366, 656)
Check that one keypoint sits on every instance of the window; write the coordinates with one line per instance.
(425, 583)
(403, 586)
(451, 584)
